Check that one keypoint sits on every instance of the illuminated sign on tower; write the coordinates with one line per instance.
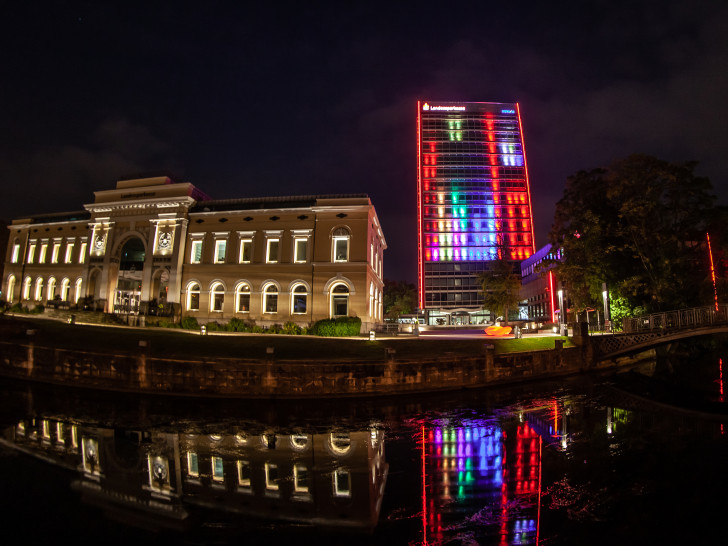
(473, 201)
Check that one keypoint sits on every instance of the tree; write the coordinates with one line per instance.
(501, 287)
(638, 225)
(400, 298)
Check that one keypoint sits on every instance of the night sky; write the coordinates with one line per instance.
(267, 98)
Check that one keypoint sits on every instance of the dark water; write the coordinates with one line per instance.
(573, 462)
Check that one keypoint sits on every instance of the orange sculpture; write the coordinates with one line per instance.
(498, 330)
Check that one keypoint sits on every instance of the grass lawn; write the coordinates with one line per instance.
(174, 343)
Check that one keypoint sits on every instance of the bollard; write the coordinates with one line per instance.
(203, 330)
(372, 335)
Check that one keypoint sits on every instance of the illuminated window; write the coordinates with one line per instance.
(301, 250)
(11, 288)
(54, 254)
(26, 288)
(16, 252)
(242, 298)
(246, 251)
(340, 300)
(220, 246)
(218, 472)
(193, 297)
(158, 468)
(244, 474)
(340, 443)
(299, 299)
(196, 251)
(301, 482)
(77, 293)
(31, 253)
(271, 255)
(299, 442)
(43, 252)
(342, 483)
(270, 299)
(69, 253)
(65, 288)
(90, 455)
(271, 476)
(341, 245)
(39, 289)
(82, 253)
(51, 293)
(45, 430)
(60, 433)
(217, 297)
(193, 466)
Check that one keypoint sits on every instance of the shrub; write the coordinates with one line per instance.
(342, 326)
(292, 328)
(236, 325)
(215, 327)
(189, 323)
(38, 309)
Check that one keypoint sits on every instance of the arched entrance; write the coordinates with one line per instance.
(128, 295)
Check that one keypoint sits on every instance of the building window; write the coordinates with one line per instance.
(342, 483)
(218, 471)
(271, 476)
(271, 255)
(31, 253)
(270, 299)
(55, 252)
(82, 253)
(43, 252)
(244, 474)
(69, 253)
(242, 298)
(193, 467)
(39, 289)
(65, 287)
(341, 245)
(51, 293)
(16, 252)
(11, 288)
(196, 252)
(300, 478)
(220, 246)
(300, 254)
(246, 251)
(26, 288)
(340, 301)
(217, 297)
(77, 294)
(193, 297)
(299, 299)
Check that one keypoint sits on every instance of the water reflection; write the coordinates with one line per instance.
(551, 464)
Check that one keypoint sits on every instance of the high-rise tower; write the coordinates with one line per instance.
(473, 202)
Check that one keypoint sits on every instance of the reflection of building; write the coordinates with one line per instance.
(332, 479)
(478, 468)
(473, 200)
(153, 246)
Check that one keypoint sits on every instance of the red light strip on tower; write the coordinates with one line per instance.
(528, 183)
(420, 247)
(712, 271)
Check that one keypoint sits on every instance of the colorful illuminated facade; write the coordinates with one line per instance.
(473, 202)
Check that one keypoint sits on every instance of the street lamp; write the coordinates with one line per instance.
(605, 299)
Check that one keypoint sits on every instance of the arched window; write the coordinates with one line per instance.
(51, 292)
(217, 296)
(77, 293)
(372, 310)
(26, 288)
(11, 288)
(193, 297)
(242, 298)
(340, 300)
(270, 299)
(39, 289)
(299, 299)
(65, 286)
(340, 245)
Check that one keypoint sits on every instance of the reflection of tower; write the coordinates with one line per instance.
(468, 479)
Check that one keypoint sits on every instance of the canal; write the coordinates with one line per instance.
(589, 460)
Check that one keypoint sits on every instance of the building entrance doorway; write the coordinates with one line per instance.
(128, 294)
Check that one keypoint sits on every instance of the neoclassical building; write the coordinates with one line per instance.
(152, 245)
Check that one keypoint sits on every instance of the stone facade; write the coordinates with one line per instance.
(153, 246)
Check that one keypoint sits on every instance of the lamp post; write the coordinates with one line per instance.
(605, 299)
(562, 318)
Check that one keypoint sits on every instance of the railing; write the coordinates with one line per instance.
(675, 320)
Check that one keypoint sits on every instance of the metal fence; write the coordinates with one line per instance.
(675, 320)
